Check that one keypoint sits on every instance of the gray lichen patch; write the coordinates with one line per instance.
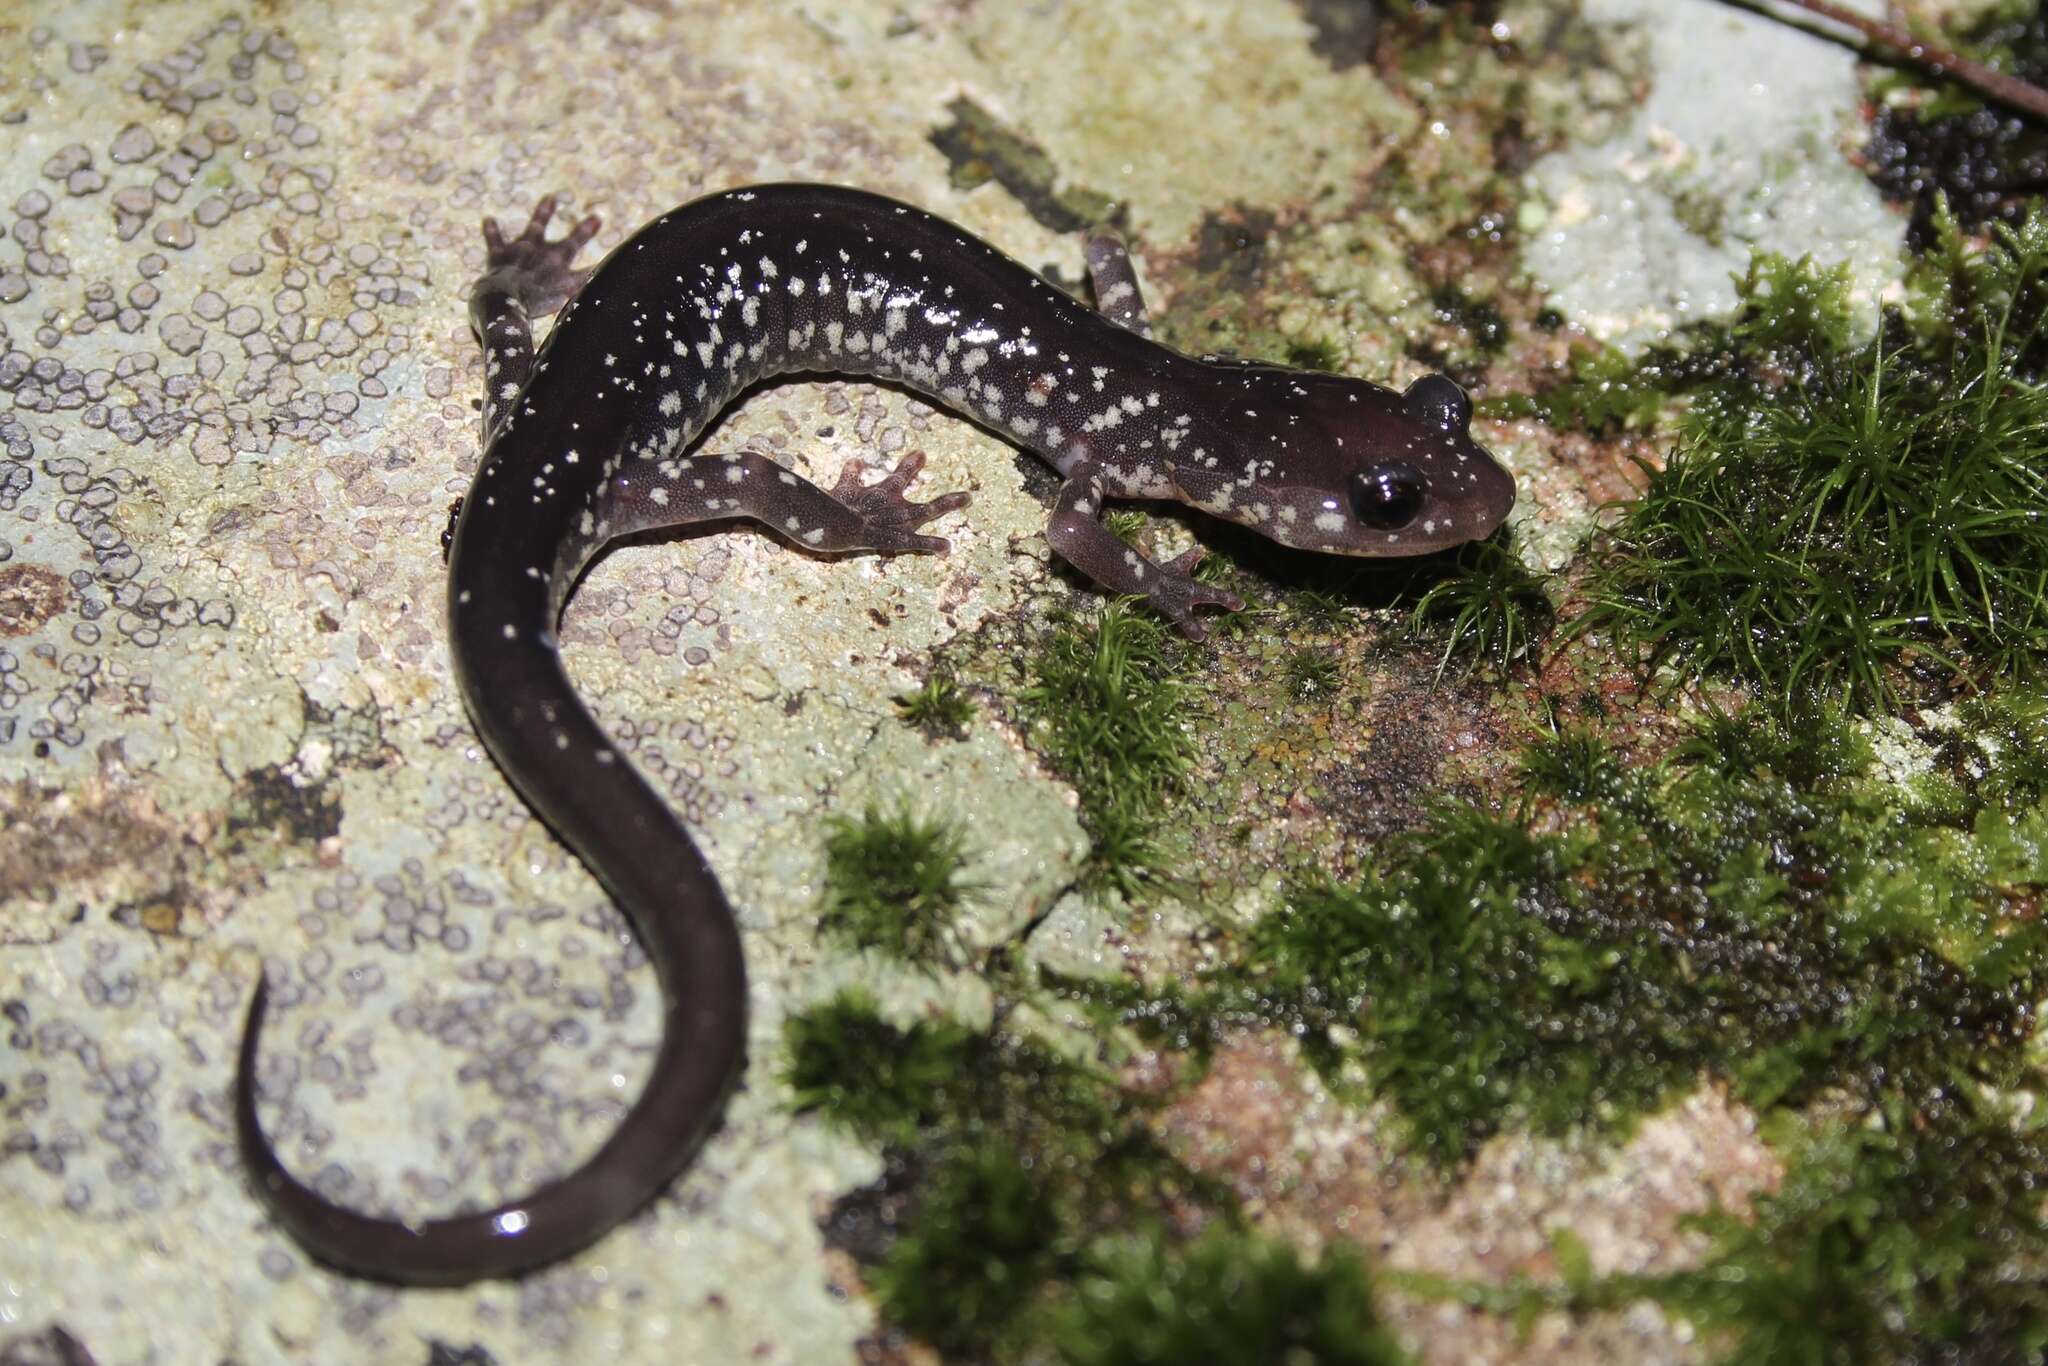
(63, 856)
(1731, 152)
(1119, 97)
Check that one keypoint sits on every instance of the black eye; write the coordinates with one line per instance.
(1439, 401)
(1387, 496)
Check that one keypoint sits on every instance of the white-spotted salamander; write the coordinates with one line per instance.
(591, 439)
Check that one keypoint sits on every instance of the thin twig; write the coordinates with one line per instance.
(2010, 91)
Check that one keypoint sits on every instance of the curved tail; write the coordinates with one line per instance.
(568, 771)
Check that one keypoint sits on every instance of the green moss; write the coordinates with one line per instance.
(865, 1075)
(1882, 1244)
(1227, 1298)
(1319, 609)
(1124, 523)
(1459, 998)
(1019, 1160)
(893, 882)
(1314, 353)
(1878, 513)
(1310, 676)
(1758, 906)
(934, 1084)
(1791, 312)
(1810, 546)
(981, 1246)
(940, 707)
(1790, 316)
(1489, 609)
(1970, 306)
(1576, 765)
(2000, 751)
(1893, 1241)
(1605, 392)
(1107, 704)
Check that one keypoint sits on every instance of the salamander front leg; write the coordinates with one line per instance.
(525, 277)
(1117, 296)
(1078, 534)
(853, 516)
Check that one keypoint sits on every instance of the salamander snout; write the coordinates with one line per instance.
(1387, 472)
(1339, 465)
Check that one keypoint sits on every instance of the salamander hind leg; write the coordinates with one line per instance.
(524, 277)
(853, 516)
(537, 272)
(1110, 271)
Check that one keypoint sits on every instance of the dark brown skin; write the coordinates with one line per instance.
(590, 440)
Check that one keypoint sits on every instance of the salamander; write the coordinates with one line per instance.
(592, 438)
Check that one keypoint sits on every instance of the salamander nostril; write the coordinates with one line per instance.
(1387, 496)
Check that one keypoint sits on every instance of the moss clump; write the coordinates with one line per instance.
(1891, 1240)
(939, 708)
(1604, 392)
(1882, 1244)
(1022, 1163)
(934, 1081)
(1319, 609)
(1573, 764)
(1106, 704)
(1310, 676)
(893, 882)
(1126, 524)
(869, 1077)
(1998, 756)
(979, 1250)
(1880, 510)
(1314, 353)
(1790, 316)
(1757, 906)
(1490, 609)
(1226, 1298)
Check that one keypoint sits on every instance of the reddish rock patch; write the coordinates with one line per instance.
(29, 596)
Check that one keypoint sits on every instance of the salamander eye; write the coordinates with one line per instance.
(1387, 496)
(1439, 401)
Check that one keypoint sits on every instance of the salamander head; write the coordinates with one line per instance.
(1322, 462)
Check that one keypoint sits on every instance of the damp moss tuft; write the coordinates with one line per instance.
(867, 1076)
(1859, 523)
(983, 1244)
(1227, 1298)
(1760, 906)
(1013, 1169)
(939, 707)
(1489, 609)
(1311, 675)
(1106, 705)
(1882, 1244)
(894, 882)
